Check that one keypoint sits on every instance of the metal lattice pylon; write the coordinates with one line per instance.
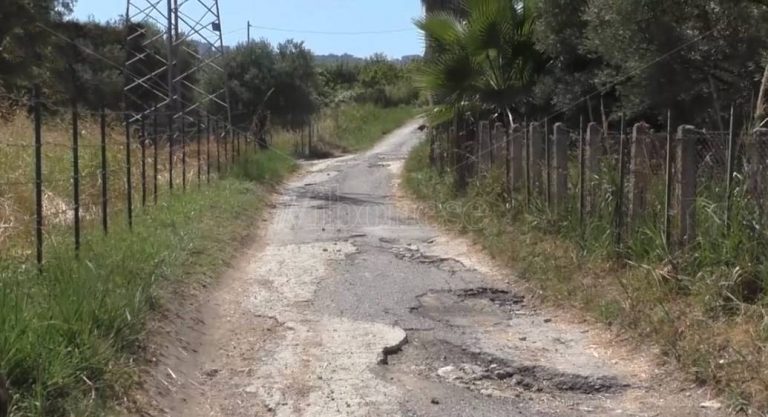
(174, 59)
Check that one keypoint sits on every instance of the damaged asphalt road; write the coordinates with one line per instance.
(350, 306)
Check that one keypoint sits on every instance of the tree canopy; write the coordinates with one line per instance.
(633, 57)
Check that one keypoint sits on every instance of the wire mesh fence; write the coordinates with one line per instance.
(86, 171)
(642, 193)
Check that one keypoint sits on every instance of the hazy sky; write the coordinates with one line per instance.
(307, 20)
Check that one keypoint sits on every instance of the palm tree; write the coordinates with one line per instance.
(482, 59)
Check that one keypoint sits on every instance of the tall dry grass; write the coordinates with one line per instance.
(17, 174)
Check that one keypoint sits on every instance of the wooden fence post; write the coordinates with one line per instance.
(687, 167)
(560, 166)
(639, 173)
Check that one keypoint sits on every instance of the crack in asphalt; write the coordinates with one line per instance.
(388, 351)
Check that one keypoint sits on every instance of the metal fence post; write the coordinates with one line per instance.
(76, 174)
(527, 157)
(156, 157)
(128, 174)
(218, 147)
(239, 136)
(729, 173)
(547, 165)
(507, 138)
(668, 187)
(309, 138)
(170, 152)
(619, 208)
(143, 145)
(231, 136)
(38, 177)
(581, 173)
(224, 135)
(208, 148)
(104, 178)
(183, 137)
(199, 152)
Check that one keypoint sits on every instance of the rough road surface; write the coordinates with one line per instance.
(350, 306)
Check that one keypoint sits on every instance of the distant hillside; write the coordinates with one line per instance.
(351, 59)
(336, 59)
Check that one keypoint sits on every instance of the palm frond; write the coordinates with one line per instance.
(442, 30)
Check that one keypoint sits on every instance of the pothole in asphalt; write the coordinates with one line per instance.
(492, 375)
(469, 307)
(412, 253)
(501, 298)
(331, 196)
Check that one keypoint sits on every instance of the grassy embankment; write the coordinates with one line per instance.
(349, 128)
(692, 308)
(70, 336)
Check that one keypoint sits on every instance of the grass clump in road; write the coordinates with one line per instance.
(70, 335)
(690, 308)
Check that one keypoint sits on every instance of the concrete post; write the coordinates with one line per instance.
(560, 166)
(686, 171)
(461, 162)
(516, 179)
(484, 149)
(499, 144)
(536, 159)
(593, 151)
(639, 173)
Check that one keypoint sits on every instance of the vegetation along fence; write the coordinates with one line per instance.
(643, 194)
(79, 168)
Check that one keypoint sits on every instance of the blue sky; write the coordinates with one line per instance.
(303, 16)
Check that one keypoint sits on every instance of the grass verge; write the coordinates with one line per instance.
(69, 335)
(716, 338)
(349, 128)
